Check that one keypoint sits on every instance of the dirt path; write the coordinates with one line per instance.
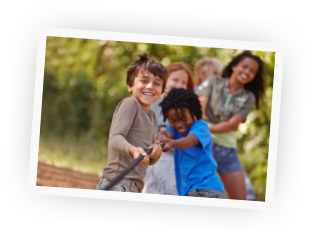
(52, 176)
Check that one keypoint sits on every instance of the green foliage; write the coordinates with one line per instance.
(85, 79)
(80, 154)
(67, 105)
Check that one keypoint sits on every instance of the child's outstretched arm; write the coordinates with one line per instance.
(182, 143)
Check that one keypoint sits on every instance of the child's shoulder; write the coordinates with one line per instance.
(248, 95)
(220, 80)
(127, 105)
(200, 124)
(128, 102)
(200, 128)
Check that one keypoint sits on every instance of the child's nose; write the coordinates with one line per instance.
(180, 124)
(149, 85)
(248, 71)
(183, 85)
(179, 85)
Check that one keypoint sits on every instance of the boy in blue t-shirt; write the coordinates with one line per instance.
(195, 168)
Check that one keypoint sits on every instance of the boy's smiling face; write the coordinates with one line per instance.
(181, 126)
(146, 88)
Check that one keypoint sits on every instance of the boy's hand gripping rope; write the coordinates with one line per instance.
(128, 169)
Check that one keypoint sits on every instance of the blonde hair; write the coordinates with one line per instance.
(205, 64)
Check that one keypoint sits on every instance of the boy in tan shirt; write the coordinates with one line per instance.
(132, 128)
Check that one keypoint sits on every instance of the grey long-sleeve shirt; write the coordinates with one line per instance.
(131, 126)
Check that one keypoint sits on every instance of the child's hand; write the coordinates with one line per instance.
(168, 145)
(157, 150)
(167, 138)
(162, 128)
(136, 152)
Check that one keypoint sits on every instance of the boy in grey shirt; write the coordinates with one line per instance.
(133, 126)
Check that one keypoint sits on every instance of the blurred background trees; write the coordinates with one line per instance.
(85, 79)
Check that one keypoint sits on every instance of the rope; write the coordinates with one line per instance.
(128, 169)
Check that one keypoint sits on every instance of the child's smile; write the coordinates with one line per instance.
(146, 89)
(181, 125)
(147, 94)
(245, 71)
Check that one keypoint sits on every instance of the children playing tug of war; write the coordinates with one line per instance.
(189, 163)
(128, 136)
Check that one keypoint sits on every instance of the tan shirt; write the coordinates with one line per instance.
(217, 90)
(222, 106)
(131, 126)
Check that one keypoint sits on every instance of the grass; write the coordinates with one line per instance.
(89, 156)
(80, 154)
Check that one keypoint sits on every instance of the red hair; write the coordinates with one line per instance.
(175, 66)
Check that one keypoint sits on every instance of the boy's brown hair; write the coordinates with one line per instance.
(145, 63)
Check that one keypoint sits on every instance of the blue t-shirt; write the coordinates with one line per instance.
(195, 167)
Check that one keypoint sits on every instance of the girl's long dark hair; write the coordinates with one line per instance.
(181, 98)
(257, 85)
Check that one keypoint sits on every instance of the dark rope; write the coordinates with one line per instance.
(128, 169)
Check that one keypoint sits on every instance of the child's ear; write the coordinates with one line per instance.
(129, 89)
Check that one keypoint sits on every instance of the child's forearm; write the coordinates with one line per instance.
(120, 144)
(227, 126)
(221, 127)
(185, 142)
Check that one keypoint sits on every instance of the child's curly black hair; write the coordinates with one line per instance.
(179, 99)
